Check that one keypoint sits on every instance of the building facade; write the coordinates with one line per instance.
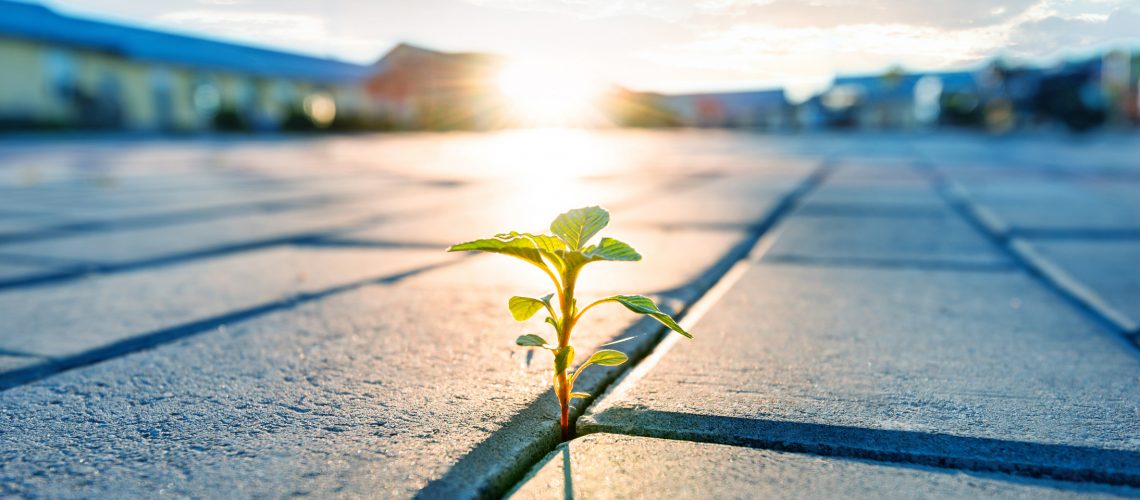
(65, 72)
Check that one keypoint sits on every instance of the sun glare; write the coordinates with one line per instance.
(549, 96)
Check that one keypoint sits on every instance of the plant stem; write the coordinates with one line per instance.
(563, 394)
(562, 386)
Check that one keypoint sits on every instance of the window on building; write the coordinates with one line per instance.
(59, 69)
(206, 97)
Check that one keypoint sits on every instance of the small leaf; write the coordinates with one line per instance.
(522, 308)
(643, 305)
(607, 357)
(548, 246)
(514, 246)
(611, 249)
(604, 357)
(577, 226)
(553, 322)
(582, 395)
(532, 340)
(563, 358)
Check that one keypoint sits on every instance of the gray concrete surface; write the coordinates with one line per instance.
(1101, 267)
(886, 238)
(980, 369)
(366, 393)
(66, 319)
(616, 466)
(255, 317)
(295, 367)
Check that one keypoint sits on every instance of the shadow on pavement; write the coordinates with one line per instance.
(1056, 461)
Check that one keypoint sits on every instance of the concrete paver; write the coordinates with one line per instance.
(616, 466)
(734, 201)
(977, 369)
(72, 317)
(1102, 267)
(16, 270)
(1058, 205)
(886, 239)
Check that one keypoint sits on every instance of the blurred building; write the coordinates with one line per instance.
(61, 71)
(765, 109)
(893, 100)
(414, 87)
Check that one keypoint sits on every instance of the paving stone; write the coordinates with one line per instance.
(883, 239)
(381, 391)
(75, 316)
(1059, 205)
(735, 201)
(15, 270)
(120, 247)
(8, 363)
(496, 209)
(1110, 269)
(615, 466)
(975, 369)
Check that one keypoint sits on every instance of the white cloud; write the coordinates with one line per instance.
(296, 32)
(676, 45)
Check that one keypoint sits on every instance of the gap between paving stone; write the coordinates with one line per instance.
(148, 220)
(169, 259)
(474, 466)
(52, 366)
(1053, 277)
(890, 263)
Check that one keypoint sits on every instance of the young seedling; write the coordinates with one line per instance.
(561, 256)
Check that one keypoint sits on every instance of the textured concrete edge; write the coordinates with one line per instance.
(1037, 265)
(558, 451)
(508, 474)
(789, 437)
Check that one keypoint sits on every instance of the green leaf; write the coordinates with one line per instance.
(608, 249)
(611, 249)
(607, 357)
(512, 245)
(522, 308)
(563, 357)
(577, 226)
(548, 246)
(553, 322)
(543, 242)
(582, 395)
(604, 357)
(532, 340)
(643, 305)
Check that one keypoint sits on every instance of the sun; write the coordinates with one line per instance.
(541, 95)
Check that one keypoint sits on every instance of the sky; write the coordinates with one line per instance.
(668, 46)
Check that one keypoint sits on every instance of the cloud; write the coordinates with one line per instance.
(296, 32)
(958, 14)
(667, 10)
(1055, 33)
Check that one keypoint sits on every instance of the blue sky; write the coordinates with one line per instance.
(667, 45)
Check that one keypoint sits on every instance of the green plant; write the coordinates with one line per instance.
(561, 256)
